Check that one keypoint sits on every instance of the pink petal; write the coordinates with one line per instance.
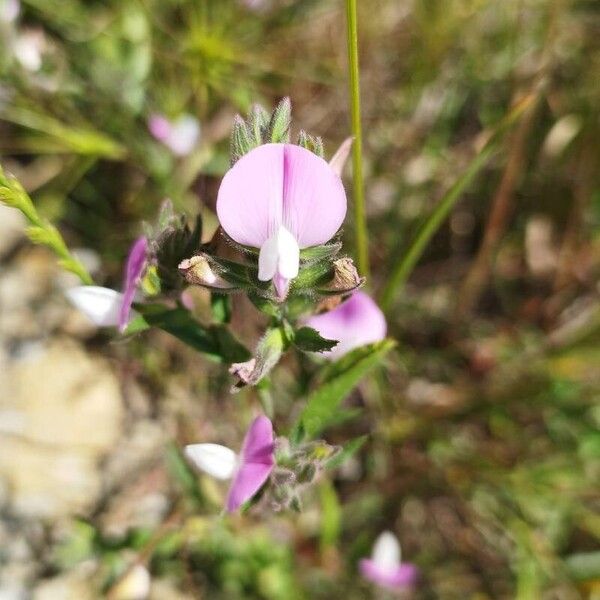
(248, 480)
(281, 184)
(354, 323)
(314, 201)
(136, 261)
(258, 444)
(249, 204)
(257, 462)
(398, 577)
(159, 127)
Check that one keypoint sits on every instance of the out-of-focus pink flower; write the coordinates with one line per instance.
(384, 567)
(281, 198)
(255, 4)
(250, 470)
(134, 268)
(9, 10)
(28, 48)
(355, 322)
(180, 135)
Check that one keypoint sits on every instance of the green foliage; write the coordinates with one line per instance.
(215, 341)
(40, 231)
(336, 382)
(309, 340)
(402, 270)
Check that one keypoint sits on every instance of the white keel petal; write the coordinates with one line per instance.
(386, 551)
(215, 460)
(99, 304)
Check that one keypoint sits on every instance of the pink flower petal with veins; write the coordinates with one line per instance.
(256, 463)
(136, 261)
(281, 184)
(355, 322)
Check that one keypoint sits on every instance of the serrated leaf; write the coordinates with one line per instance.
(308, 339)
(215, 341)
(280, 122)
(337, 382)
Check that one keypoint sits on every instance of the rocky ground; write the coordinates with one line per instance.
(76, 438)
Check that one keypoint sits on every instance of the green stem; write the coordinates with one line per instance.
(362, 240)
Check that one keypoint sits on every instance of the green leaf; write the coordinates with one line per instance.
(39, 230)
(221, 307)
(309, 340)
(215, 341)
(338, 381)
(331, 515)
(349, 449)
(584, 566)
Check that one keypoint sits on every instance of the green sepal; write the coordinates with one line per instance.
(280, 122)
(242, 140)
(312, 143)
(313, 275)
(318, 253)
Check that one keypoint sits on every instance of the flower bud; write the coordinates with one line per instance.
(197, 271)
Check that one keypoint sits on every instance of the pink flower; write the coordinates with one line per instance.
(250, 470)
(355, 322)
(9, 10)
(106, 307)
(384, 567)
(180, 135)
(134, 268)
(280, 198)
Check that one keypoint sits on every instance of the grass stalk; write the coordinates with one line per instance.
(361, 234)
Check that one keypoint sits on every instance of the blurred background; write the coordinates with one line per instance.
(484, 445)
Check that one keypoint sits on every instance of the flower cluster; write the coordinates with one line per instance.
(280, 207)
